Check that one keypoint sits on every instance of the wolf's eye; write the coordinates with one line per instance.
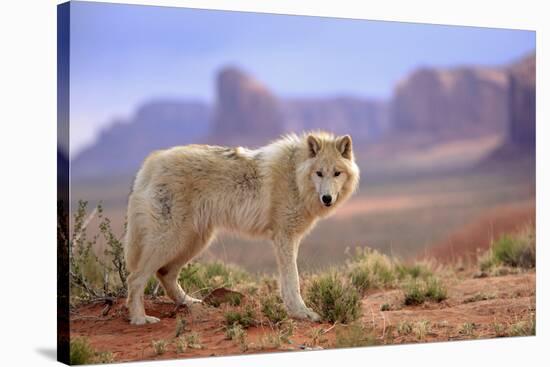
(337, 173)
(319, 173)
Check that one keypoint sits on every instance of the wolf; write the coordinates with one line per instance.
(183, 196)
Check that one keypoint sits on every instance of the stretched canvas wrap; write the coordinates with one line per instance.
(237, 183)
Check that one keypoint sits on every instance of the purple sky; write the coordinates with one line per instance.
(123, 55)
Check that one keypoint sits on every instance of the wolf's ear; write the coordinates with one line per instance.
(314, 145)
(343, 144)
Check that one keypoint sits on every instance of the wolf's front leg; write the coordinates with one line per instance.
(289, 281)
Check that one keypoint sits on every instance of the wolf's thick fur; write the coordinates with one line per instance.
(183, 195)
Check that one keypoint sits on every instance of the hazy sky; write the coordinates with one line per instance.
(123, 55)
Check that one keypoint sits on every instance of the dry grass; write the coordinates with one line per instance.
(82, 353)
(243, 316)
(418, 291)
(334, 299)
(273, 308)
(354, 335)
(159, 346)
(516, 250)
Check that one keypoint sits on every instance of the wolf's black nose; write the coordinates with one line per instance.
(327, 199)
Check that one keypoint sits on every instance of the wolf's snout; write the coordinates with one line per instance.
(327, 200)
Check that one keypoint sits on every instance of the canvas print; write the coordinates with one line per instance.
(232, 183)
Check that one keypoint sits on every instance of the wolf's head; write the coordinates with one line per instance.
(329, 172)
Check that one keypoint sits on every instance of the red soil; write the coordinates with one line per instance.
(483, 302)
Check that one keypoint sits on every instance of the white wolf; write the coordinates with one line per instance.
(183, 195)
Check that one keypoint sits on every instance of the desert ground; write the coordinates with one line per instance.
(475, 308)
(440, 268)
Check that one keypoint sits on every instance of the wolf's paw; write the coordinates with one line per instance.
(142, 320)
(306, 314)
(313, 316)
(188, 300)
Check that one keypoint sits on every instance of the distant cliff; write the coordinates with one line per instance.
(365, 119)
(121, 148)
(245, 109)
(522, 96)
(452, 103)
(430, 106)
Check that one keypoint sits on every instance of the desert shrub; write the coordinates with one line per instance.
(414, 271)
(202, 278)
(467, 328)
(245, 317)
(360, 278)
(273, 308)
(238, 334)
(414, 293)
(280, 336)
(404, 328)
(523, 328)
(91, 276)
(435, 290)
(186, 341)
(286, 330)
(369, 268)
(82, 259)
(499, 329)
(104, 357)
(354, 335)
(181, 345)
(418, 291)
(159, 346)
(317, 337)
(181, 325)
(333, 299)
(114, 252)
(517, 250)
(193, 340)
(81, 352)
(234, 332)
(421, 329)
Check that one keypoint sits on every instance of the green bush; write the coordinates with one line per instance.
(413, 271)
(92, 276)
(517, 250)
(523, 328)
(246, 317)
(360, 278)
(202, 278)
(435, 290)
(159, 346)
(273, 308)
(369, 268)
(418, 291)
(354, 335)
(81, 352)
(334, 300)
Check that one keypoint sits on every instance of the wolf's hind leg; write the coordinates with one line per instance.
(169, 273)
(168, 277)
